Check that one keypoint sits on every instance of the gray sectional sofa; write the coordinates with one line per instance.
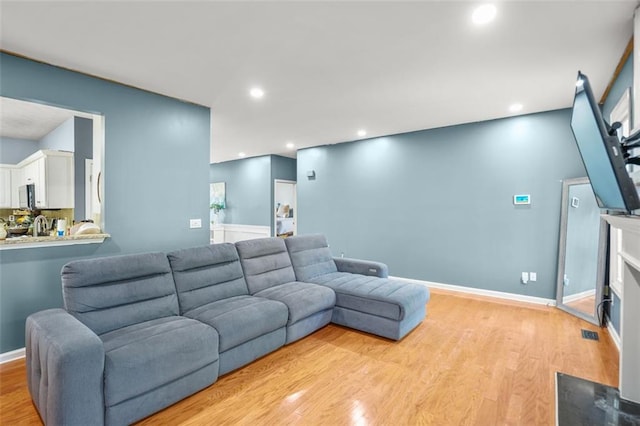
(140, 332)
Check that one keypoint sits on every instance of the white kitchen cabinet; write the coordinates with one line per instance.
(11, 178)
(52, 174)
(5, 187)
(17, 179)
(31, 170)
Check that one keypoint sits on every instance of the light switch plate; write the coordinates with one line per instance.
(195, 223)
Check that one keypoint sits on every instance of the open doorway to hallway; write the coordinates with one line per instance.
(285, 208)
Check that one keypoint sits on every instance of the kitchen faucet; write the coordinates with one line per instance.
(36, 225)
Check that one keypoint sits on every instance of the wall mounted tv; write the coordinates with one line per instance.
(603, 155)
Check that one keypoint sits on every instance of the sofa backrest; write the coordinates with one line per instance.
(207, 274)
(265, 263)
(310, 256)
(113, 292)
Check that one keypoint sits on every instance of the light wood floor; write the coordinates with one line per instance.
(473, 361)
(586, 304)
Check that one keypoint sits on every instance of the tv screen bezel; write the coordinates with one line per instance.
(613, 148)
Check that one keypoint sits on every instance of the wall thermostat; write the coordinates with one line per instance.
(522, 199)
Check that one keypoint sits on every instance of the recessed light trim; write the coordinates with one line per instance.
(484, 14)
(256, 93)
(362, 133)
(517, 107)
(291, 145)
(242, 154)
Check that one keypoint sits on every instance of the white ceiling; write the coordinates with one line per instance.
(29, 120)
(329, 68)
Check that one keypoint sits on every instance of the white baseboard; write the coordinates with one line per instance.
(573, 297)
(614, 334)
(12, 355)
(482, 292)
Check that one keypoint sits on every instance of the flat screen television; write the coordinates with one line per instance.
(601, 152)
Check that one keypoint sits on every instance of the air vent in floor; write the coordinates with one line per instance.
(592, 335)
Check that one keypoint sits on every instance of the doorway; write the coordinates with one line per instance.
(285, 209)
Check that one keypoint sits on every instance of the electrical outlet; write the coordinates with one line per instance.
(533, 276)
(525, 277)
(195, 223)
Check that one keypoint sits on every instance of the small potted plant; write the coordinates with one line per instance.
(217, 207)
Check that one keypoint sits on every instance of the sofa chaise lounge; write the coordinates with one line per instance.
(139, 332)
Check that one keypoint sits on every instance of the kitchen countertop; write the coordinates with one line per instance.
(36, 242)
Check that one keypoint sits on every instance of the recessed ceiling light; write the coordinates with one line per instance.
(484, 14)
(256, 93)
(515, 108)
(362, 133)
(242, 154)
(291, 145)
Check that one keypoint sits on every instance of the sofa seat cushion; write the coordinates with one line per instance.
(372, 295)
(146, 356)
(240, 319)
(302, 299)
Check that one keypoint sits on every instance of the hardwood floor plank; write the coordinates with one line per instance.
(473, 361)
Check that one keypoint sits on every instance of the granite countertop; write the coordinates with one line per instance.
(28, 242)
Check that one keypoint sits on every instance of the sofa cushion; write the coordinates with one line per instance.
(310, 256)
(240, 319)
(114, 292)
(207, 274)
(265, 263)
(302, 299)
(378, 296)
(146, 356)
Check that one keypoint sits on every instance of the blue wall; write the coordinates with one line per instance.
(156, 179)
(249, 187)
(61, 138)
(614, 312)
(82, 150)
(13, 151)
(437, 205)
(622, 83)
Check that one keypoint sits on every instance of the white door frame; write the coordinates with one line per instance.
(88, 193)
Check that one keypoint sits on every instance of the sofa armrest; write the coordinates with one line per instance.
(363, 267)
(65, 365)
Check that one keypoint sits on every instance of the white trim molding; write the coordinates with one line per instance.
(12, 355)
(573, 297)
(614, 334)
(482, 292)
(230, 233)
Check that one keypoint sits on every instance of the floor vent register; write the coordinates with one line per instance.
(591, 335)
